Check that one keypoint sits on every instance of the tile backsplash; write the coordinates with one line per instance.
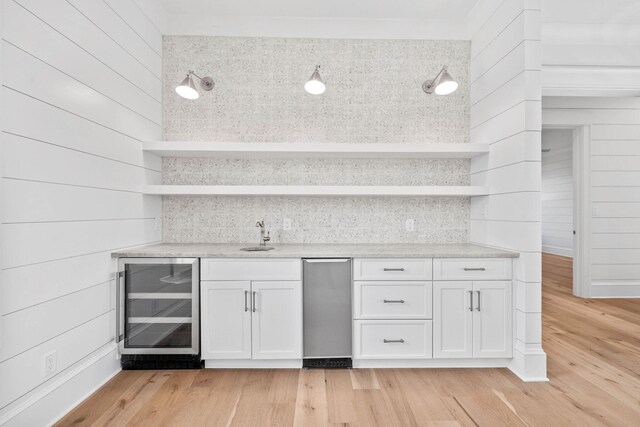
(373, 95)
(205, 219)
(193, 171)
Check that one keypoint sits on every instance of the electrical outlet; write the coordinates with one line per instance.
(485, 211)
(410, 224)
(286, 224)
(50, 363)
(595, 211)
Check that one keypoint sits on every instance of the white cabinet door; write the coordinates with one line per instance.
(277, 319)
(226, 320)
(492, 319)
(452, 320)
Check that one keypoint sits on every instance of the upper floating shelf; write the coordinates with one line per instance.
(262, 150)
(316, 190)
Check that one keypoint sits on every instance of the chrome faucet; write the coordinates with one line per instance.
(263, 239)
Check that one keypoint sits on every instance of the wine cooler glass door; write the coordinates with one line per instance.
(159, 307)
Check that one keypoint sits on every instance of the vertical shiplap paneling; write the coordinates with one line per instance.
(614, 238)
(81, 89)
(505, 113)
(557, 192)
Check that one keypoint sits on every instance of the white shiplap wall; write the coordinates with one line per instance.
(590, 47)
(613, 240)
(557, 192)
(505, 112)
(81, 88)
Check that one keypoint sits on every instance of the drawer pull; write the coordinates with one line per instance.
(393, 269)
(393, 301)
(470, 300)
(386, 341)
(474, 269)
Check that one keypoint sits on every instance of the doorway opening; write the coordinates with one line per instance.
(563, 183)
(557, 204)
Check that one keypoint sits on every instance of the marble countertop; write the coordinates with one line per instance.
(312, 250)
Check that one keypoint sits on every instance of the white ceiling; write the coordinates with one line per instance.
(350, 9)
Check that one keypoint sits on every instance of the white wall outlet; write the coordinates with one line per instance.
(286, 224)
(485, 211)
(50, 363)
(595, 211)
(410, 224)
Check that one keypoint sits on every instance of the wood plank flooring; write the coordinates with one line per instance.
(593, 349)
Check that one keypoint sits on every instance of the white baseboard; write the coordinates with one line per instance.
(556, 250)
(253, 364)
(430, 363)
(614, 290)
(55, 400)
(529, 365)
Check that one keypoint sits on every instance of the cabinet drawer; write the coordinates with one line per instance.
(392, 300)
(392, 269)
(472, 269)
(251, 269)
(393, 339)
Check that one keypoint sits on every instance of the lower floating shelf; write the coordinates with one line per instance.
(316, 190)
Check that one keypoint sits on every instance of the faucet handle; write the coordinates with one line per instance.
(267, 238)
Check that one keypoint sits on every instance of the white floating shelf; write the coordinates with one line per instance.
(316, 190)
(264, 150)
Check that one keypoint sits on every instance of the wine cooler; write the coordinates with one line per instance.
(158, 312)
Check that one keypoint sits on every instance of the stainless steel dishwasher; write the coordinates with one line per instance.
(326, 289)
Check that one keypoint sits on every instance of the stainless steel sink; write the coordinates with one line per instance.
(257, 248)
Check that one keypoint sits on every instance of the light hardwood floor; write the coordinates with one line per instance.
(593, 349)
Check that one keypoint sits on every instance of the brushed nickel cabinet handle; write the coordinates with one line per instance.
(253, 301)
(393, 269)
(386, 341)
(470, 300)
(246, 294)
(474, 269)
(478, 307)
(393, 301)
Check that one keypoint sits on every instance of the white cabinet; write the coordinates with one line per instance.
(251, 269)
(247, 318)
(452, 320)
(492, 319)
(472, 269)
(226, 320)
(472, 319)
(251, 320)
(392, 300)
(392, 309)
(392, 269)
(392, 339)
(276, 320)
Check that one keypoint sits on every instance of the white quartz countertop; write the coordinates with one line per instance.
(312, 250)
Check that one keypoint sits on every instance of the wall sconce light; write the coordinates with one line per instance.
(443, 84)
(187, 89)
(315, 85)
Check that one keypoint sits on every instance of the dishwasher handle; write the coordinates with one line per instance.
(319, 260)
